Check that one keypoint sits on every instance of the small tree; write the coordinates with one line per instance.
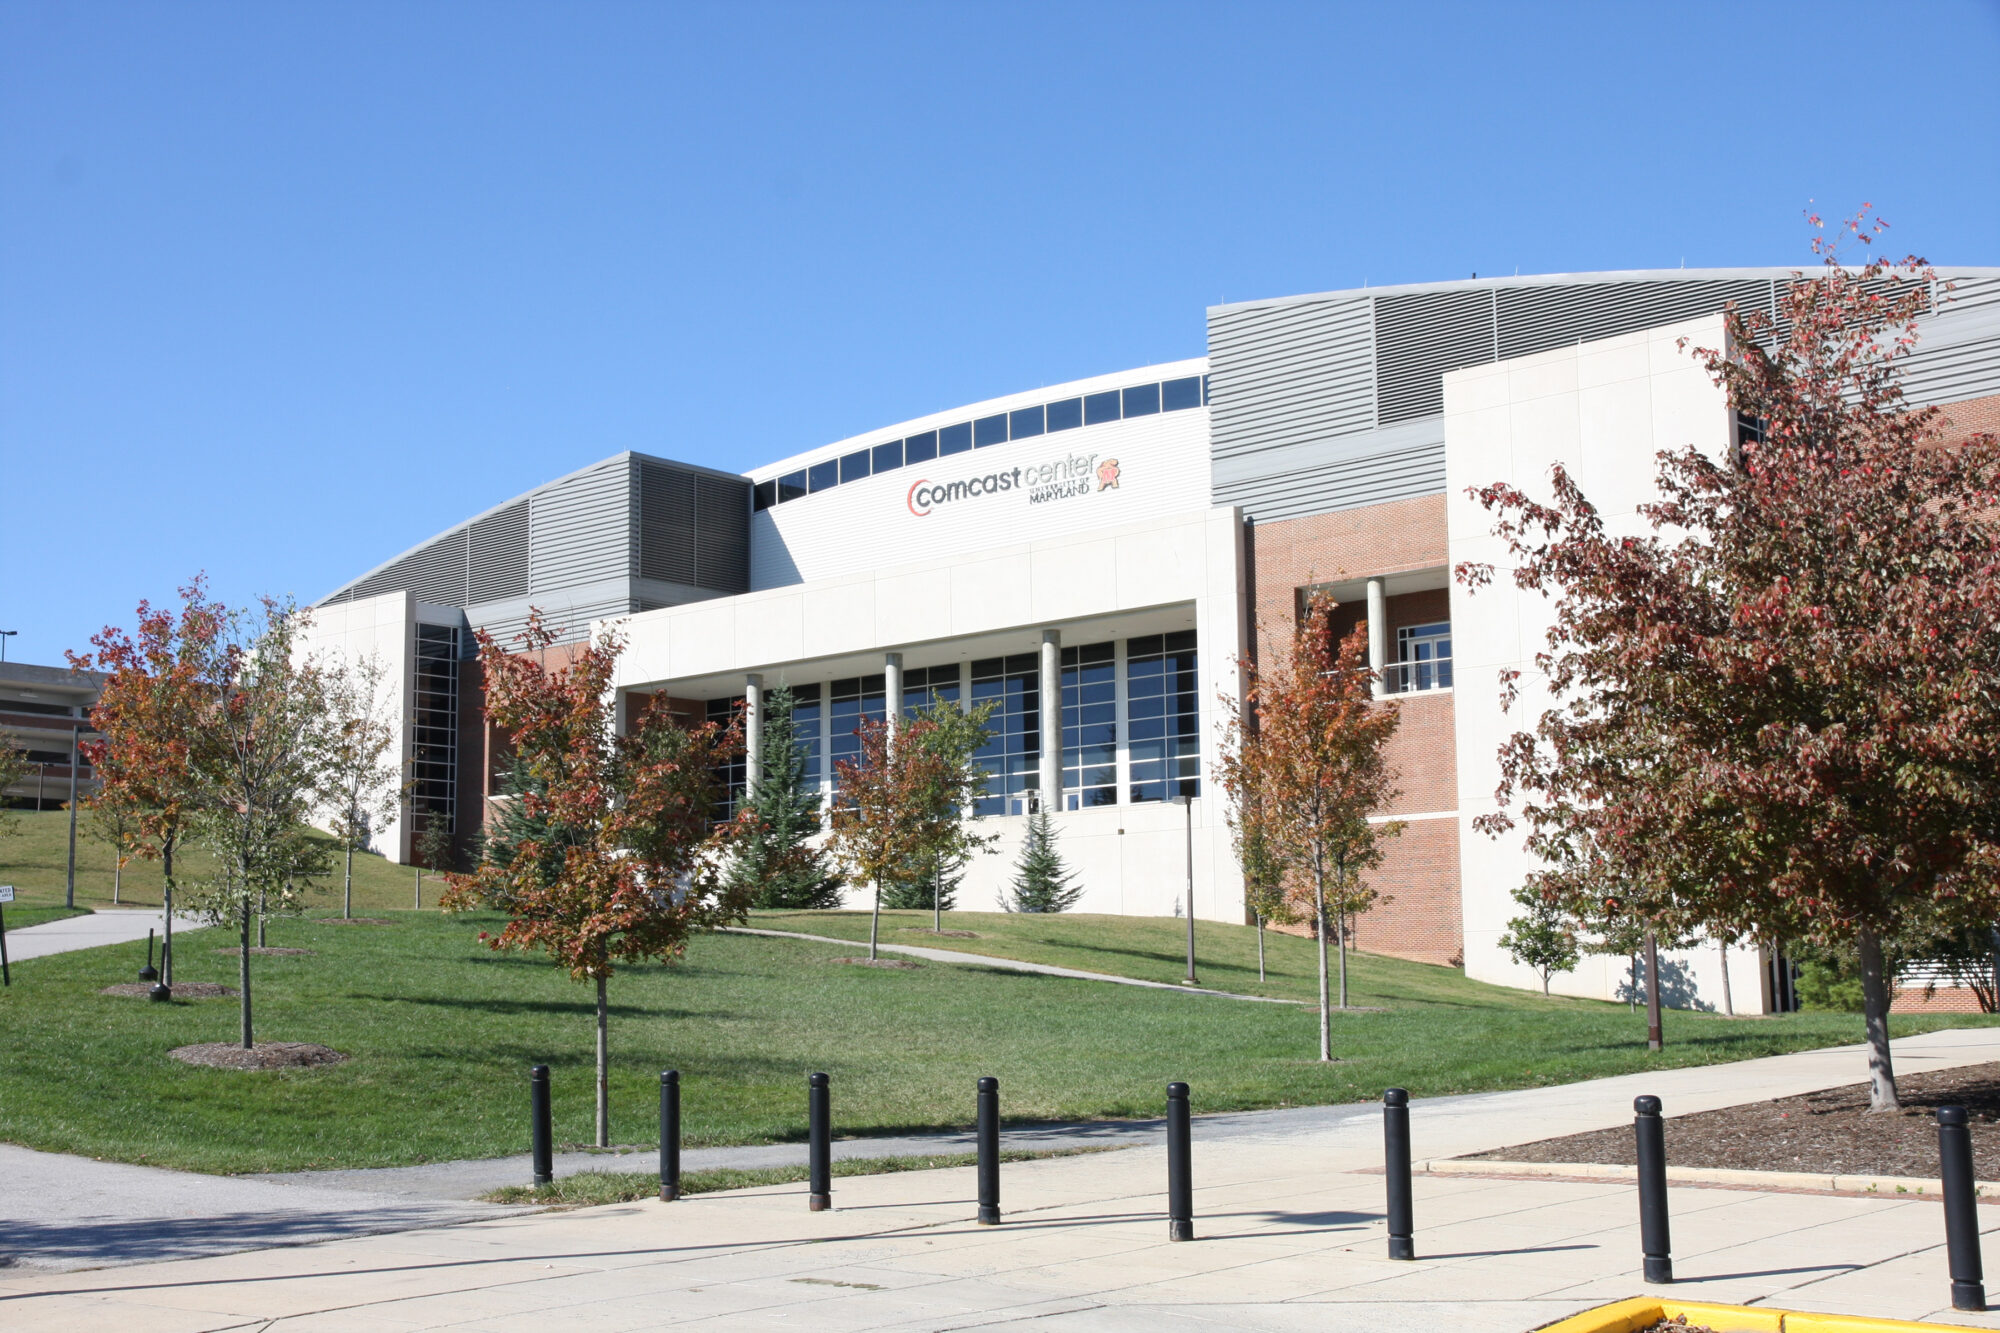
(776, 861)
(269, 731)
(1774, 714)
(14, 766)
(116, 823)
(1541, 937)
(153, 716)
(1264, 891)
(616, 858)
(1043, 881)
(433, 851)
(362, 784)
(907, 801)
(1305, 752)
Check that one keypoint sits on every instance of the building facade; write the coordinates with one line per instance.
(45, 713)
(1099, 558)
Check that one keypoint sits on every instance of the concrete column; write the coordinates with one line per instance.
(753, 731)
(892, 691)
(1051, 695)
(1378, 634)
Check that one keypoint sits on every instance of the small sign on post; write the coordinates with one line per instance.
(6, 896)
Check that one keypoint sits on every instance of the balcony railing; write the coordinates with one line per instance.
(1416, 677)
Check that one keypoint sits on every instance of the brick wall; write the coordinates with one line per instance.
(1943, 1000)
(1417, 914)
(1974, 416)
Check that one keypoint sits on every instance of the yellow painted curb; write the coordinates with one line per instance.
(1645, 1311)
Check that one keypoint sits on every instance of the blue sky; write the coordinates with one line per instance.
(285, 289)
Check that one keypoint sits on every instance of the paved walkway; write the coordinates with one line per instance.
(1009, 964)
(107, 925)
(63, 1212)
(1288, 1215)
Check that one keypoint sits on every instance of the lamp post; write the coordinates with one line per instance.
(69, 883)
(1186, 802)
(6, 634)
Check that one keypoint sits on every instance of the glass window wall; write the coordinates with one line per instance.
(1090, 725)
(1162, 685)
(1012, 753)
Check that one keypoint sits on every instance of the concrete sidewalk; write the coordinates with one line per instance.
(107, 925)
(1288, 1220)
(965, 957)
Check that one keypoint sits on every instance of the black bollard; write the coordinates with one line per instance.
(1396, 1166)
(670, 1135)
(538, 1115)
(1651, 1133)
(1180, 1185)
(149, 972)
(1961, 1210)
(989, 1152)
(819, 1145)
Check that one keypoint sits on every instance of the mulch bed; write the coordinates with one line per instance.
(264, 1055)
(271, 951)
(876, 962)
(944, 934)
(186, 990)
(1830, 1132)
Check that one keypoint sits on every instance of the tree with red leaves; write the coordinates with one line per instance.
(623, 863)
(152, 720)
(1304, 766)
(1777, 713)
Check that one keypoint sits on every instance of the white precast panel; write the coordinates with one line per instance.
(1603, 410)
(1028, 488)
(383, 627)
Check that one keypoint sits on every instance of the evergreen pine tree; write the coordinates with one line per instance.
(1042, 881)
(776, 862)
(926, 887)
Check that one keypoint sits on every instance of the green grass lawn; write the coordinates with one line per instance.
(441, 1031)
(34, 858)
(20, 915)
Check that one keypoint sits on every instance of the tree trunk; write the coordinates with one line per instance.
(1656, 1037)
(347, 888)
(603, 1065)
(1632, 996)
(1728, 1000)
(1260, 946)
(1319, 929)
(419, 899)
(117, 874)
(875, 923)
(1545, 983)
(937, 897)
(1875, 1012)
(263, 912)
(243, 972)
(167, 902)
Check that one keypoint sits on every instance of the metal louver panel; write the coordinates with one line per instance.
(433, 573)
(722, 528)
(1970, 294)
(1290, 375)
(1421, 337)
(582, 529)
(1951, 372)
(1349, 483)
(1537, 319)
(498, 559)
(666, 523)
